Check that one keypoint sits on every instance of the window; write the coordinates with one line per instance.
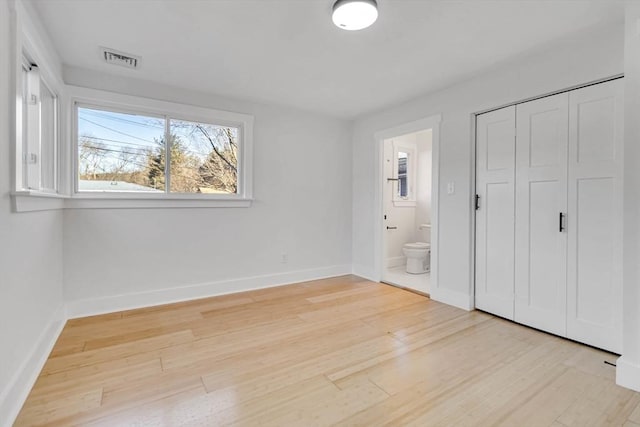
(124, 151)
(404, 159)
(127, 152)
(204, 158)
(403, 189)
(120, 151)
(38, 122)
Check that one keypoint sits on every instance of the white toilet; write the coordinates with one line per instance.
(418, 253)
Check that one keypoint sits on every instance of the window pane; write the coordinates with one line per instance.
(402, 174)
(25, 113)
(120, 152)
(48, 138)
(204, 158)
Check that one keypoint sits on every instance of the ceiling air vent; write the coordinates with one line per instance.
(114, 57)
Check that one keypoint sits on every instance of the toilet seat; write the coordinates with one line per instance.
(417, 245)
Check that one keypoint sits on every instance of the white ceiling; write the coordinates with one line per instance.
(289, 52)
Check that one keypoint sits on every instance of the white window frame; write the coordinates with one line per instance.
(410, 149)
(109, 101)
(33, 137)
(29, 47)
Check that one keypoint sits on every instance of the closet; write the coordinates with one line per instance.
(549, 214)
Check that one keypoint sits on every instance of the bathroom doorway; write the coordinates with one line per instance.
(408, 227)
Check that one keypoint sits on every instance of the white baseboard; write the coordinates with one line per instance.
(627, 374)
(364, 272)
(110, 304)
(397, 261)
(456, 299)
(14, 394)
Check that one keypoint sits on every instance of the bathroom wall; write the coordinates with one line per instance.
(423, 185)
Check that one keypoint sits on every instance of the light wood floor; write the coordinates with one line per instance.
(341, 351)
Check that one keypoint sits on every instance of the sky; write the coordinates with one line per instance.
(118, 131)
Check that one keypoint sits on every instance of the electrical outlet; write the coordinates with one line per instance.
(284, 258)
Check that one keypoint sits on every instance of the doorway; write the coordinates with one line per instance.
(407, 198)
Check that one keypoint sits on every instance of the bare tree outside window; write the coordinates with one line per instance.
(207, 161)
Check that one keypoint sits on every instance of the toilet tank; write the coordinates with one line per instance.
(424, 233)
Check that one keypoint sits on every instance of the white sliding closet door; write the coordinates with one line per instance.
(595, 216)
(541, 197)
(495, 164)
(549, 217)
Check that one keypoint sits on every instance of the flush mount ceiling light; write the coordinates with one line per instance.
(354, 14)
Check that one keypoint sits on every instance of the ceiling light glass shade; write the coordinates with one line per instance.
(354, 14)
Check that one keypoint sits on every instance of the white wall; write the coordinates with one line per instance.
(302, 207)
(628, 371)
(30, 264)
(423, 184)
(569, 62)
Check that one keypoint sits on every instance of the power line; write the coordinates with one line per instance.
(120, 152)
(100, 114)
(121, 142)
(116, 131)
(187, 134)
(196, 153)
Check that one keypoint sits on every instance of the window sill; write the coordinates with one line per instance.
(404, 203)
(147, 201)
(31, 201)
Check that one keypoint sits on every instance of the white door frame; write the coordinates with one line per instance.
(433, 123)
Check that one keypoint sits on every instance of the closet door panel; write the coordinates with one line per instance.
(541, 195)
(595, 216)
(499, 277)
(594, 264)
(495, 162)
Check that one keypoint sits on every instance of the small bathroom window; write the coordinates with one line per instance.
(404, 171)
(403, 188)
